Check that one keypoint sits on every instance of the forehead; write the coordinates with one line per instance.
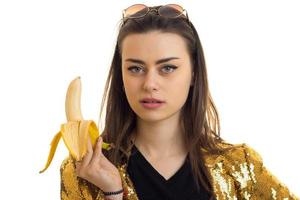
(153, 44)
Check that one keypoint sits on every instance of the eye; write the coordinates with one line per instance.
(169, 68)
(133, 68)
(165, 69)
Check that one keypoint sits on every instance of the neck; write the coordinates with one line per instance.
(159, 140)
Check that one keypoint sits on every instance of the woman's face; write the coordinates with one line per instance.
(143, 77)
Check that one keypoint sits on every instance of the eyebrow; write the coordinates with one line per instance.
(157, 62)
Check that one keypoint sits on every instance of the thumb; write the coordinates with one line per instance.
(98, 149)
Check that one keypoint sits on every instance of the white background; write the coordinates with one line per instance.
(252, 54)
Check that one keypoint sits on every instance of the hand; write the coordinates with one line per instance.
(97, 169)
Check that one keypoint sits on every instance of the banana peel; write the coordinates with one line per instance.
(76, 131)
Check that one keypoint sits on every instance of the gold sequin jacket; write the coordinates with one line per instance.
(237, 174)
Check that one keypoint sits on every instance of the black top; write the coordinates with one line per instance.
(151, 185)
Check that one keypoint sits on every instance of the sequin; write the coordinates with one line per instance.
(242, 176)
(247, 195)
(237, 174)
(224, 185)
(273, 193)
(251, 166)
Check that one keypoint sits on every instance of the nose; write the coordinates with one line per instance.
(150, 82)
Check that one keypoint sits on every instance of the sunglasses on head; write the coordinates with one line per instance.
(141, 10)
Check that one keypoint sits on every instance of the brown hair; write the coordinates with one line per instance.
(199, 116)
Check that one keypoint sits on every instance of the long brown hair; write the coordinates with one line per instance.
(199, 117)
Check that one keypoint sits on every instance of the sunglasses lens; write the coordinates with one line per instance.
(171, 10)
(137, 10)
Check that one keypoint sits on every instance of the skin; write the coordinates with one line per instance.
(161, 125)
(97, 169)
(158, 135)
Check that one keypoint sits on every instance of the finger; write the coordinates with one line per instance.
(98, 150)
(77, 167)
(88, 156)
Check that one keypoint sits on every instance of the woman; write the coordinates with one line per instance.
(163, 123)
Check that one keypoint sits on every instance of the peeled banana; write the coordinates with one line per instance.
(76, 131)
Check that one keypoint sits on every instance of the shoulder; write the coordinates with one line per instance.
(240, 170)
(234, 153)
(234, 170)
(242, 152)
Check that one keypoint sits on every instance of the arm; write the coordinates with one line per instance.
(69, 187)
(76, 188)
(265, 184)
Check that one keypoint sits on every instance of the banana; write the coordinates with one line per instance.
(73, 101)
(76, 131)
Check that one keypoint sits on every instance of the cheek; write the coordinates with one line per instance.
(126, 81)
(179, 92)
(130, 85)
(131, 90)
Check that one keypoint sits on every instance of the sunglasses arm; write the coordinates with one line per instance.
(123, 14)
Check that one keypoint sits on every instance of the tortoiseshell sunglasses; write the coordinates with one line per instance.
(140, 10)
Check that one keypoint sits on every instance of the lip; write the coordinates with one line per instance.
(152, 105)
(148, 100)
